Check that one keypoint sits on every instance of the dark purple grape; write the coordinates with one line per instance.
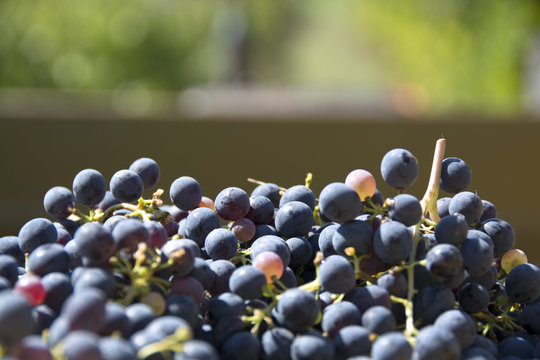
(473, 297)
(477, 255)
(9, 269)
(515, 346)
(221, 244)
(432, 301)
(59, 202)
(336, 274)
(114, 348)
(356, 234)
(81, 345)
(392, 242)
(94, 242)
(391, 346)
(301, 251)
(523, 283)
(148, 170)
(202, 272)
(186, 193)
(32, 347)
(157, 234)
(276, 344)
(184, 307)
(241, 346)
(462, 325)
(294, 219)
(247, 281)
(452, 229)
(196, 350)
(36, 232)
(455, 175)
(337, 316)
(126, 186)
(444, 260)
(312, 346)
(352, 341)
(501, 233)
(435, 343)
(529, 318)
(9, 245)
(85, 310)
(189, 286)
(394, 283)
(326, 239)
(199, 223)
(296, 310)
(405, 208)
(225, 304)
(339, 202)
(378, 319)
(222, 270)
(261, 210)
(15, 317)
(262, 230)
(57, 289)
(232, 203)
(268, 190)
(108, 201)
(368, 296)
(139, 315)
(89, 187)
(467, 204)
(399, 168)
(128, 234)
(116, 320)
(48, 258)
(298, 193)
(442, 206)
(490, 211)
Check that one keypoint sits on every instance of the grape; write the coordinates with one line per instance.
(490, 211)
(199, 223)
(515, 346)
(148, 170)
(378, 319)
(8, 268)
(186, 193)
(394, 283)
(241, 346)
(232, 203)
(221, 244)
(326, 240)
(368, 296)
(81, 345)
(113, 348)
(339, 202)
(444, 260)
(391, 346)
(460, 324)
(59, 202)
(126, 186)
(36, 232)
(184, 307)
(294, 219)
(301, 251)
(202, 272)
(297, 310)
(336, 316)
(57, 288)
(9, 245)
(363, 182)
(270, 264)
(274, 244)
(276, 344)
(157, 235)
(392, 242)
(513, 258)
(312, 346)
(435, 343)
(477, 255)
(89, 187)
(473, 297)
(452, 229)
(197, 350)
(406, 209)
(94, 242)
(247, 281)
(337, 274)
(467, 204)
(225, 304)
(31, 288)
(529, 318)
(298, 193)
(455, 175)
(501, 233)
(139, 315)
(85, 310)
(523, 283)
(108, 201)
(128, 234)
(432, 301)
(399, 168)
(442, 207)
(356, 234)
(32, 347)
(223, 270)
(262, 230)
(189, 286)
(351, 341)
(48, 258)
(261, 210)
(244, 229)
(116, 319)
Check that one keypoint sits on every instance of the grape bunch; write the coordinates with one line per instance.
(277, 274)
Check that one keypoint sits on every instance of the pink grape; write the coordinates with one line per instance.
(244, 229)
(363, 182)
(513, 258)
(207, 203)
(31, 288)
(270, 264)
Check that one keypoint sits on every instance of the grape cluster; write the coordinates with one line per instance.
(278, 274)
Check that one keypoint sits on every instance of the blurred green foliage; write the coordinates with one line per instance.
(434, 54)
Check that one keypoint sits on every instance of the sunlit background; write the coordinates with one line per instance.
(229, 89)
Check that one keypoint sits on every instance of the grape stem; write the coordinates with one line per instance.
(429, 201)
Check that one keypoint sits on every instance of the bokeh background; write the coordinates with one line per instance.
(269, 89)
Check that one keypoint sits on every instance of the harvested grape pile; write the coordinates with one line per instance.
(280, 274)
